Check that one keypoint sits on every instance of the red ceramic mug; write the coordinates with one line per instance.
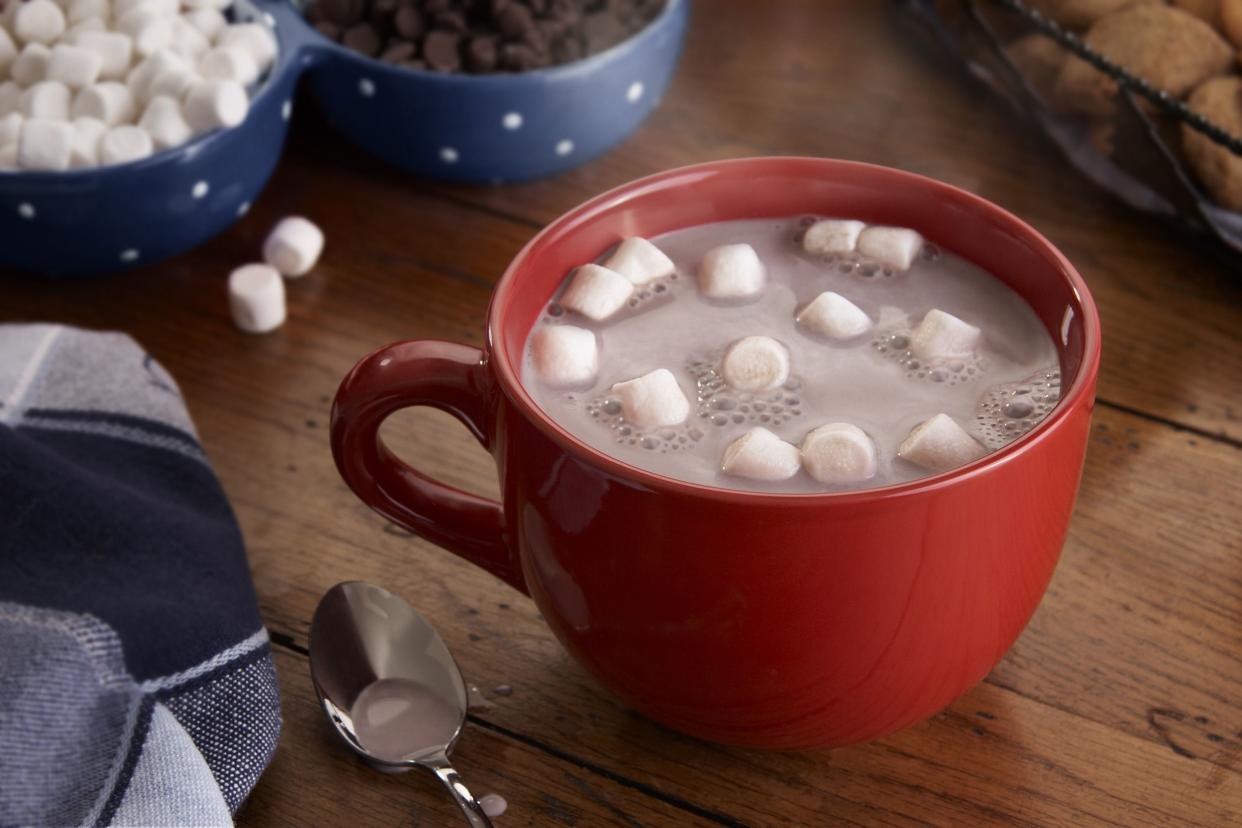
(758, 619)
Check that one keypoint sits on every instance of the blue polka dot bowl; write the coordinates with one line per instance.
(100, 220)
(501, 127)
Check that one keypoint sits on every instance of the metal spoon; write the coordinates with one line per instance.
(389, 685)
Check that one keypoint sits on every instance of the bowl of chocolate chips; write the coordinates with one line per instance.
(492, 90)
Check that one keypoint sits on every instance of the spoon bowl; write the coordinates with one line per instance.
(389, 685)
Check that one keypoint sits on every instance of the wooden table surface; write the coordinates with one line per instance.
(1121, 704)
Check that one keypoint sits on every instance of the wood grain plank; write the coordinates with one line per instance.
(540, 790)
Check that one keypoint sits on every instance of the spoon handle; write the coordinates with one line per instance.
(465, 800)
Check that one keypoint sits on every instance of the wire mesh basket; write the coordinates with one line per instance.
(1141, 164)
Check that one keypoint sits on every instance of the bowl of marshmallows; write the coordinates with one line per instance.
(133, 130)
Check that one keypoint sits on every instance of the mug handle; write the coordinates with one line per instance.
(452, 378)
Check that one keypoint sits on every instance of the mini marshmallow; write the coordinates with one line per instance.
(218, 5)
(293, 246)
(208, 21)
(640, 261)
(755, 363)
(158, 8)
(829, 236)
(229, 63)
(151, 35)
(839, 453)
(565, 356)
(8, 157)
(47, 100)
(44, 145)
(30, 67)
(10, 97)
(187, 40)
(140, 78)
(255, 38)
(87, 133)
(11, 129)
(761, 455)
(941, 335)
(597, 292)
(38, 21)
(90, 24)
(653, 400)
(834, 316)
(163, 121)
(174, 83)
(732, 271)
(8, 51)
(940, 444)
(257, 298)
(73, 66)
(115, 51)
(78, 10)
(892, 246)
(110, 102)
(125, 143)
(215, 103)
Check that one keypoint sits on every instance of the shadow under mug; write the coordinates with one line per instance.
(758, 619)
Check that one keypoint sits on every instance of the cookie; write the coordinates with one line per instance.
(1231, 20)
(1039, 58)
(1206, 10)
(1169, 48)
(1077, 14)
(1220, 101)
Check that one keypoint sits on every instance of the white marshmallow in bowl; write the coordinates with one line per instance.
(755, 363)
(125, 143)
(206, 20)
(895, 247)
(761, 455)
(45, 144)
(832, 315)
(73, 66)
(11, 129)
(30, 66)
(38, 21)
(163, 121)
(211, 104)
(831, 236)
(942, 335)
(597, 292)
(115, 51)
(839, 453)
(640, 261)
(8, 51)
(653, 400)
(731, 271)
(10, 97)
(229, 63)
(255, 38)
(940, 444)
(77, 11)
(48, 100)
(87, 133)
(565, 356)
(293, 246)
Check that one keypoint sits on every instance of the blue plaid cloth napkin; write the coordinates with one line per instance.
(136, 679)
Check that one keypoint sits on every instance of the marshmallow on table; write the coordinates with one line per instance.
(755, 363)
(115, 52)
(293, 246)
(229, 63)
(892, 246)
(257, 298)
(653, 400)
(87, 133)
(597, 292)
(834, 316)
(30, 66)
(110, 102)
(565, 356)
(74, 66)
(942, 335)
(48, 100)
(839, 453)
(125, 143)
(45, 145)
(208, 21)
(8, 50)
(828, 236)
(761, 455)
(38, 21)
(640, 261)
(162, 120)
(940, 444)
(215, 103)
(10, 97)
(255, 38)
(732, 271)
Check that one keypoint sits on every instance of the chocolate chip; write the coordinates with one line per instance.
(409, 22)
(399, 51)
(436, 6)
(362, 38)
(513, 20)
(481, 54)
(453, 21)
(383, 9)
(520, 58)
(440, 51)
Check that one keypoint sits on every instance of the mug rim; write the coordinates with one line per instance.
(507, 374)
